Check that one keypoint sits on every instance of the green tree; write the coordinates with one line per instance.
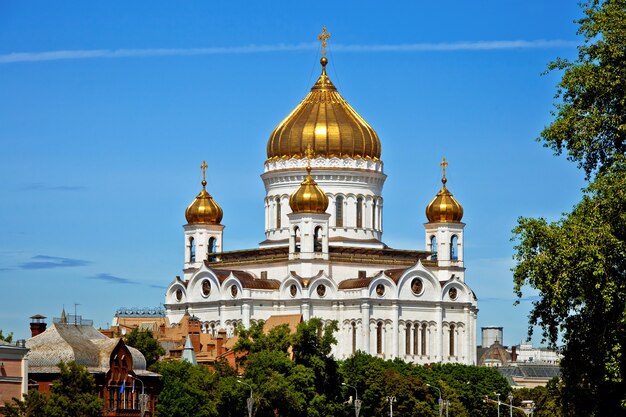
(74, 393)
(187, 390)
(578, 264)
(590, 119)
(8, 338)
(144, 341)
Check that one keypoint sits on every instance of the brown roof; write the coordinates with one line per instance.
(247, 279)
(354, 283)
(291, 320)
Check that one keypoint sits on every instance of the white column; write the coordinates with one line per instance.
(24, 376)
(395, 331)
(439, 335)
(365, 326)
(246, 314)
(306, 310)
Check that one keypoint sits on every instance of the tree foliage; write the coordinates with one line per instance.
(7, 338)
(144, 341)
(73, 394)
(578, 263)
(590, 119)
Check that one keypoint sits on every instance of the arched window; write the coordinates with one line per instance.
(374, 214)
(359, 212)
(278, 212)
(353, 337)
(317, 240)
(296, 236)
(452, 328)
(339, 211)
(416, 330)
(424, 339)
(433, 248)
(192, 250)
(211, 248)
(454, 253)
(379, 338)
(407, 342)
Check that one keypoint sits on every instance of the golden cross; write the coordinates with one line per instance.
(444, 165)
(203, 167)
(323, 37)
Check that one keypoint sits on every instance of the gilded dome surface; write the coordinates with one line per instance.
(308, 198)
(326, 122)
(444, 207)
(203, 209)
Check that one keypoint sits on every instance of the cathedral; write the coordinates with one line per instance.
(323, 254)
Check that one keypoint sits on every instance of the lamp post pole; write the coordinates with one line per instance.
(250, 400)
(440, 399)
(498, 394)
(357, 402)
(511, 405)
(142, 398)
(391, 399)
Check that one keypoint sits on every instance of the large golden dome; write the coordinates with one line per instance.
(326, 122)
(444, 207)
(204, 210)
(309, 197)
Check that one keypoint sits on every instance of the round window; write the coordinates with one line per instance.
(321, 290)
(452, 293)
(234, 290)
(179, 294)
(293, 290)
(206, 288)
(417, 286)
(380, 290)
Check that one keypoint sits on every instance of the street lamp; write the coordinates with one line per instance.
(440, 401)
(498, 394)
(143, 398)
(357, 402)
(250, 400)
(510, 404)
(391, 399)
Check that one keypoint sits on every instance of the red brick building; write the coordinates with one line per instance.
(119, 370)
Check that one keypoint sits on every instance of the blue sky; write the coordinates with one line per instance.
(107, 110)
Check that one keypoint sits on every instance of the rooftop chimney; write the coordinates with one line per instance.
(37, 325)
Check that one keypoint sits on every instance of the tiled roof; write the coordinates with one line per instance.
(69, 342)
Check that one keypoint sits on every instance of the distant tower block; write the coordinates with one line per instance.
(490, 334)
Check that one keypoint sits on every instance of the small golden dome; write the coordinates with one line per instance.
(327, 123)
(444, 207)
(309, 197)
(204, 210)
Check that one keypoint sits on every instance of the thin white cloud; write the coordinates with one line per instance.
(16, 57)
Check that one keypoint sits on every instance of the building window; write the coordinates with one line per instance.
(416, 339)
(359, 212)
(433, 248)
(374, 214)
(452, 328)
(317, 241)
(192, 250)
(454, 253)
(278, 213)
(339, 211)
(424, 339)
(296, 238)
(407, 342)
(379, 338)
(353, 337)
(211, 249)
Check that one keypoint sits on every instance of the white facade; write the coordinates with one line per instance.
(408, 304)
